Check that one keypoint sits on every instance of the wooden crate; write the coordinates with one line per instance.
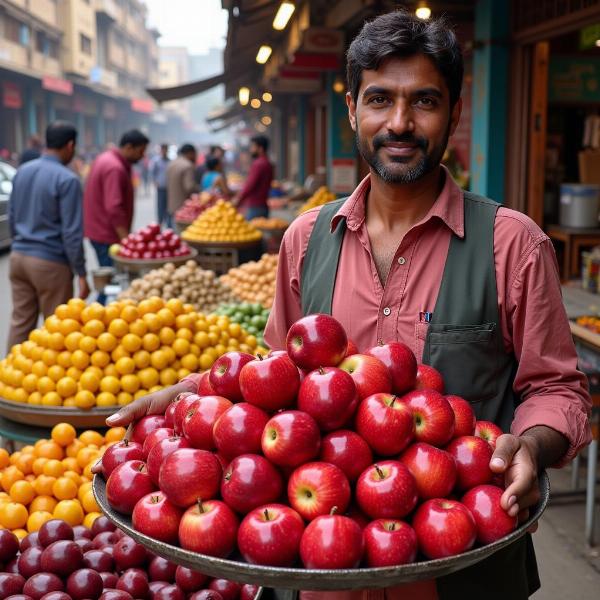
(219, 260)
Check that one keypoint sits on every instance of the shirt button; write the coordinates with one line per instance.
(401, 260)
(387, 311)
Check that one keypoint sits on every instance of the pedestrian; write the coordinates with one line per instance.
(108, 196)
(252, 200)
(180, 179)
(33, 150)
(472, 287)
(46, 222)
(213, 152)
(159, 177)
(213, 179)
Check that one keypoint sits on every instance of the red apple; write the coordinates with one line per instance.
(248, 592)
(169, 415)
(464, 416)
(433, 415)
(270, 535)
(332, 542)
(156, 517)
(161, 569)
(84, 583)
(127, 484)
(119, 453)
(270, 383)
(329, 396)
(401, 363)
(386, 490)
(291, 438)
(200, 419)
(385, 423)
(204, 387)
(183, 402)
(429, 378)
(249, 481)
(134, 582)
(159, 453)
(188, 474)
(146, 425)
(488, 431)
(434, 470)
(239, 430)
(316, 488)
(128, 554)
(348, 451)
(209, 528)
(12, 583)
(444, 528)
(472, 455)
(316, 341)
(370, 375)
(224, 375)
(158, 435)
(352, 348)
(389, 542)
(9, 545)
(188, 580)
(228, 590)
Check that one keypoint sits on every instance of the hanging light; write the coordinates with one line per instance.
(260, 127)
(244, 95)
(263, 54)
(267, 97)
(255, 103)
(284, 13)
(266, 120)
(338, 85)
(423, 11)
(598, 43)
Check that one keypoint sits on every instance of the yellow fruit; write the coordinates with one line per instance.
(148, 377)
(100, 359)
(64, 488)
(68, 326)
(53, 468)
(89, 519)
(43, 485)
(205, 362)
(89, 503)
(124, 398)
(37, 518)
(64, 359)
(175, 305)
(49, 449)
(13, 515)
(107, 342)
(91, 312)
(4, 458)
(119, 352)
(72, 341)
(44, 503)
(181, 347)
(51, 399)
(29, 383)
(74, 476)
(153, 322)
(38, 465)
(166, 316)
(151, 341)
(70, 463)
(118, 328)
(56, 341)
(130, 383)
(115, 434)
(166, 336)
(129, 314)
(22, 492)
(69, 511)
(110, 384)
(138, 327)
(89, 382)
(88, 344)
(62, 311)
(85, 399)
(52, 324)
(168, 377)
(66, 387)
(106, 399)
(111, 371)
(91, 438)
(80, 359)
(93, 328)
(63, 434)
(73, 448)
(125, 365)
(83, 489)
(74, 373)
(141, 359)
(45, 385)
(159, 360)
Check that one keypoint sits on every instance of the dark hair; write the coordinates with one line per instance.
(401, 33)
(134, 138)
(212, 162)
(187, 149)
(59, 134)
(213, 149)
(261, 141)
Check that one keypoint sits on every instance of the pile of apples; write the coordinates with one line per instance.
(149, 242)
(60, 562)
(317, 456)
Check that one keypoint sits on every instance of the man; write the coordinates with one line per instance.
(159, 176)
(45, 217)
(252, 200)
(108, 197)
(470, 286)
(180, 179)
(33, 150)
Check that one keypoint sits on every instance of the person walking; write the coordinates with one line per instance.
(180, 179)
(33, 150)
(46, 222)
(159, 177)
(252, 200)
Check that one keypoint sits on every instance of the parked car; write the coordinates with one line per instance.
(7, 173)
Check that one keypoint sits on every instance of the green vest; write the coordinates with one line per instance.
(464, 342)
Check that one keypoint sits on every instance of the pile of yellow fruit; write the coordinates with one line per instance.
(86, 356)
(52, 479)
(254, 281)
(320, 197)
(221, 223)
(269, 223)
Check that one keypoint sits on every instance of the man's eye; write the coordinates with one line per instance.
(427, 102)
(377, 100)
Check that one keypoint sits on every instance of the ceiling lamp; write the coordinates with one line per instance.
(263, 54)
(244, 95)
(266, 120)
(255, 103)
(284, 13)
(267, 97)
(338, 85)
(423, 11)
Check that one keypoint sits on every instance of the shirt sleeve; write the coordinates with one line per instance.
(71, 218)
(554, 392)
(114, 199)
(189, 181)
(192, 380)
(11, 206)
(251, 181)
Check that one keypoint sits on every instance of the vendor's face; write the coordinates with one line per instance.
(402, 118)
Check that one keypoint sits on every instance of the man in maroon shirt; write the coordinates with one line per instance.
(252, 200)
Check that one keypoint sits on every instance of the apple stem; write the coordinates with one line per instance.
(200, 507)
(333, 510)
(394, 398)
(125, 442)
(380, 473)
(266, 513)
(321, 371)
(259, 356)
(392, 527)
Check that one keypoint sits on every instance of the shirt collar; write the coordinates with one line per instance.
(51, 157)
(121, 158)
(448, 207)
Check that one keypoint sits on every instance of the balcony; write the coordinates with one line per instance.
(107, 9)
(116, 56)
(104, 77)
(44, 10)
(14, 54)
(46, 64)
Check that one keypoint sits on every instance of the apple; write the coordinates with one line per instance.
(488, 431)
(84, 583)
(30, 562)
(434, 470)
(169, 592)
(127, 484)
(159, 453)
(189, 474)
(249, 481)
(200, 419)
(119, 453)
(31, 539)
(109, 579)
(352, 348)
(444, 528)
(248, 591)
(204, 387)
(332, 542)
(183, 403)
(169, 415)
(491, 520)
(161, 569)
(224, 375)
(464, 416)
(61, 558)
(205, 595)
(401, 363)
(385, 423)
(270, 383)
(155, 516)
(53, 531)
(270, 535)
(329, 396)
(128, 554)
(209, 528)
(315, 488)
(348, 451)
(98, 560)
(188, 580)
(146, 425)
(472, 455)
(101, 525)
(135, 582)
(228, 590)
(389, 542)
(41, 583)
(369, 374)
(386, 490)
(291, 438)
(158, 435)
(316, 341)
(9, 545)
(11, 583)
(239, 430)
(433, 415)
(429, 378)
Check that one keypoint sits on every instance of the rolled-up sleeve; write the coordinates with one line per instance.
(71, 216)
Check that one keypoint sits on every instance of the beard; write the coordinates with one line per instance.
(399, 170)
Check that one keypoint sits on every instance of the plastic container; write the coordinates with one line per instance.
(579, 205)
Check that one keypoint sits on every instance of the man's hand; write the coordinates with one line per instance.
(84, 288)
(122, 232)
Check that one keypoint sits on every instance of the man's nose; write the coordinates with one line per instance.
(400, 118)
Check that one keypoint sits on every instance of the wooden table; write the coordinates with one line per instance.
(574, 239)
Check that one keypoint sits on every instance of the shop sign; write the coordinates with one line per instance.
(58, 85)
(343, 175)
(11, 95)
(588, 36)
(322, 39)
(142, 105)
(574, 79)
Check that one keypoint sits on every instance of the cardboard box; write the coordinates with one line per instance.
(589, 166)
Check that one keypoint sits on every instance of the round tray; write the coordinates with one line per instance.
(234, 245)
(48, 416)
(313, 579)
(134, 264)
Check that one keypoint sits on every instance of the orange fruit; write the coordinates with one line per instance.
(20, 533)
(153, 322)
(39, 368)
(37, 518)
(64, 488)
(117, 353)
(68, 326)
(25, 462)
(56, 341)
(90, 437)
(110, 371)
(70, 463)
(53, 468)
(89, 381)
(190, 362)
(159, 360)
(46, 503)
(115, 434)
(85, 399)
(72, 340)
(50, 449)
(88, 502)
(100, 359)
(38, 465)
(118, 328)
(93, 328)
(76, 306)
(86, 455)
(185, 334)
(91, 312)
(142, 358)
(64, 359)
(9, 476)
(56, 372)
(73, 475)
(13, 515)
(107, 342)
(52, 324)
(124, 398)
(88, 344)
(69, 511)
(138, 327)
(168, 377)
(129, 313)
(110, 384)
(66, 387)
(45, 385)
(4, 458)
(181, 346)
(148, 377)
(43, 485)
(151, 341)
(131, 342)
(166, 336)
(74, 447)
(80, 359)
(29, 382)
(51, 399)
(89, 519)
(62, 311)
(166, 316)
(125, 365)
(106, 399)
(63, 434)
(130, 383)
(22, 492)
(175, 305)
(74, 373)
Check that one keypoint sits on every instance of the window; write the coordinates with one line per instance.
(23, 35)
(85, 44)
(53, 48)
(15, 31)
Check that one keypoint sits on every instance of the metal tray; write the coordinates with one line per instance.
(135, 264)
(313, 579)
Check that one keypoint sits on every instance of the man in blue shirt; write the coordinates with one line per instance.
(159, 176)
(46, 222)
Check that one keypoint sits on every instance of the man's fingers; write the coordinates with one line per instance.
(97, 468)
(132, 412)
(521, 493)
(506, 446)
(523, 515)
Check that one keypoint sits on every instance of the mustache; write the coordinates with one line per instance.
(405, 138)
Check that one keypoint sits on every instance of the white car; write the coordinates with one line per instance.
(7, 173)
